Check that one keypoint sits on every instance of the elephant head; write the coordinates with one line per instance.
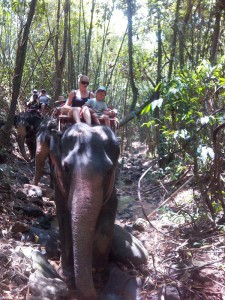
(84, 160)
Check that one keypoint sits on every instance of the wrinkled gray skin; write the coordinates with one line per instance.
(84, 159)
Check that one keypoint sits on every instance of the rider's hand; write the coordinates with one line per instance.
(112, 114)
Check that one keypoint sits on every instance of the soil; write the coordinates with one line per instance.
(186, 254)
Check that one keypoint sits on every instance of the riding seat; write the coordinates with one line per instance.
(65, 120)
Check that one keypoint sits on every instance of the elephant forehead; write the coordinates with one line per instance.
(88, 140)
(87, 158)
(82, 144)
(92, 132)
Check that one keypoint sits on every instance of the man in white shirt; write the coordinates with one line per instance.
(44, 100)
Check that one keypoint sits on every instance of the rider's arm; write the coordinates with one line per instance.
(70, 98)
(92, 95)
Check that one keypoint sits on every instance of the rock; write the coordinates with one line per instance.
(21, 195)
(20, 227)
(17, 236)
(121, 286)
(30, 210)
(45, 283)
(125, 215)
(140, 225)
(128, 227)
(43, 222)
(3, 158)
(22, 179)
(41, 264)
(46, 238)
(172, 293)
(135, 176)
(33, 190)
(36, 201)
(4, 259)
(5, 187)
(128, 181)
(126, 248)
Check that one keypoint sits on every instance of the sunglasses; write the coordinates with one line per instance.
(85, 82)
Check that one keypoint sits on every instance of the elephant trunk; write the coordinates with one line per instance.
(21, 132)
(86, 205)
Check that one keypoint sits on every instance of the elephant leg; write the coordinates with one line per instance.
(31, 144)
(42, 153)
(104, 233)
(51, 172)
(21, 135)
(64, 219)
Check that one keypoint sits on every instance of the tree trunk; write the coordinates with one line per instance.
(18, 73)
(174, 40)
(88, 45)
(216, 33)
(104, 39)
(183, 32)
(60, 62)
(130, 52)
(114, 64)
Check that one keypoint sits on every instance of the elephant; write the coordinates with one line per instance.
(84, 160)
(27, 124)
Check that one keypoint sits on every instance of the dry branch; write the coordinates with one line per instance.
(171, 197)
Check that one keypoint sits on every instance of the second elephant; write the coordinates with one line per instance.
(27, 125)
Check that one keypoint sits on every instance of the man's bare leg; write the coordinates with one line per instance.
(86, 115)
(95, 118)
(107, 120)
(76, 114)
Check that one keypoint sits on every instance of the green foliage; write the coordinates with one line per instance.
(152, 106)
(186, 112)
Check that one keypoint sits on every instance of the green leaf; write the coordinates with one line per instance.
(158, 86)
(148, 124)
(222, 81)
(146, 109)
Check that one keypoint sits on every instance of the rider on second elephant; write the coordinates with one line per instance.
(33, 104)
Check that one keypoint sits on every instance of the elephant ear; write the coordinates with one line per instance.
(55, 154)
(44, 130)
(112, 147)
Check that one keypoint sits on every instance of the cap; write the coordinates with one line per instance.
(34, 91)
(43, 90)
(61, 98)
(101, 88)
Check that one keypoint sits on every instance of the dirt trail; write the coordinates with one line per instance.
(178, 248)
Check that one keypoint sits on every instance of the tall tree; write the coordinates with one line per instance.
(71, 61)
(216, 31)
(18, 73)
(108, 14)
(174, 40)
(182, 32)
(130, 10)
(88, 44)
(60, 60)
